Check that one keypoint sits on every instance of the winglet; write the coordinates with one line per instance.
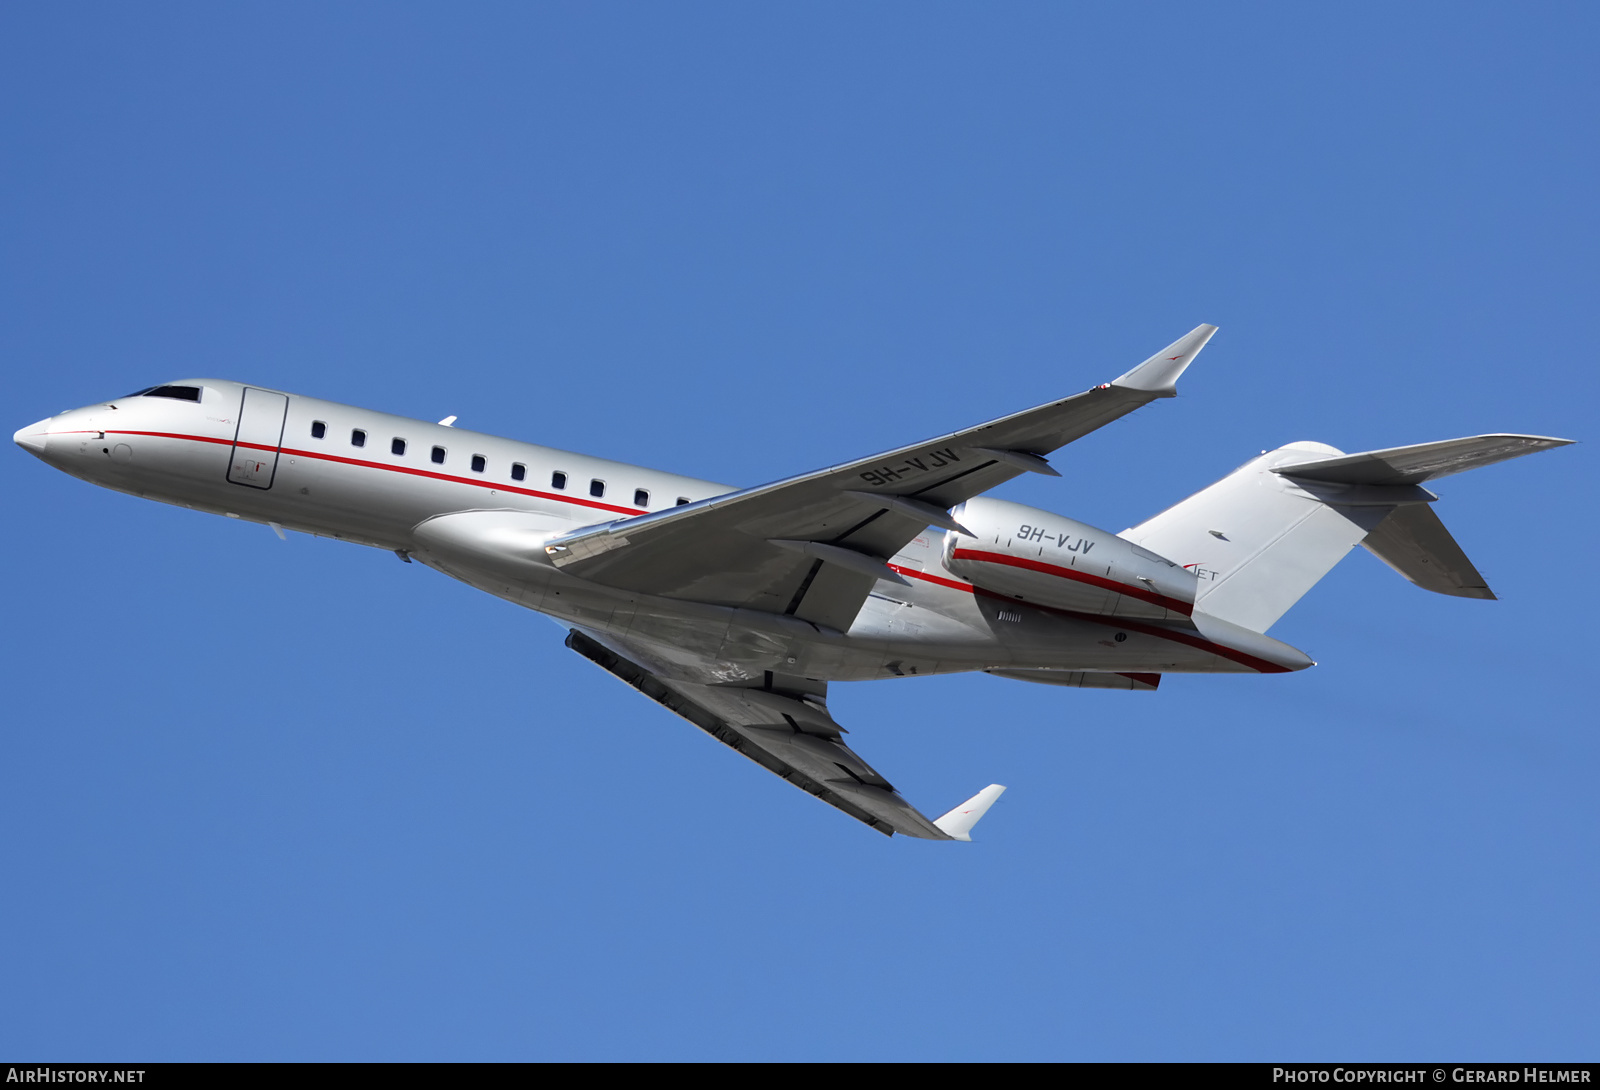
(1158, 375)
(958, 823)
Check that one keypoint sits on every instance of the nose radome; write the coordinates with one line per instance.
(32, 437)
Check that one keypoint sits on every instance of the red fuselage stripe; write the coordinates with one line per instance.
(1174, 604)
(479, 483)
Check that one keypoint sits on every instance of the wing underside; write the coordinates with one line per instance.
(786, 733)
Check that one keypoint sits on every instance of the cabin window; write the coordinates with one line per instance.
(358, 438)
(641, 498)
(318, 429)
(558, 479)
(597, 488)
(179, 393)
(478, 463)
(518, 471)
(438, 456)
(682, 500)
(397, 447)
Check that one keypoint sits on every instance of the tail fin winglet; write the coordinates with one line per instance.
(958, 823)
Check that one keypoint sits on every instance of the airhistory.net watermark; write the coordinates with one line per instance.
(36, 1073)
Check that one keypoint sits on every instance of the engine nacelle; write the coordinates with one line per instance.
(1048, 559)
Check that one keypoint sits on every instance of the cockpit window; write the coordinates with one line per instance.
(179, 393)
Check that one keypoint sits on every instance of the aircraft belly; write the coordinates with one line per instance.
(742, 645)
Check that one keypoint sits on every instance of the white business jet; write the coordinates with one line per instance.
(736, 607)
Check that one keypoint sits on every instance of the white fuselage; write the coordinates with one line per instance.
(373, 478)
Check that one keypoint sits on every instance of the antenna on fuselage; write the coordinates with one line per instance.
(449, 421)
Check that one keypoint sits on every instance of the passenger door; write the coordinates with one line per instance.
(255, 444)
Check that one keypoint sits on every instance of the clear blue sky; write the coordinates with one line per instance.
(297, 800)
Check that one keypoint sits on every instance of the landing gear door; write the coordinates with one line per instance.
(255, 445)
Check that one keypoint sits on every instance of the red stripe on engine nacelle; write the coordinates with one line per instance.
(1196, 641)
(1150, 596)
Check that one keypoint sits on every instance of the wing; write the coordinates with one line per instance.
(785, 733)
(814, 545)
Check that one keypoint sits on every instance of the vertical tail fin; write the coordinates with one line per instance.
(1255, 541)
(1265, 534)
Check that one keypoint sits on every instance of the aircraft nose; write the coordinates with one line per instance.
(32, 437)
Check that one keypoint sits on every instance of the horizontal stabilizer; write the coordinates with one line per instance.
(1421, 462)
(1083, 679)
(1416, 544)
(958, 823)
